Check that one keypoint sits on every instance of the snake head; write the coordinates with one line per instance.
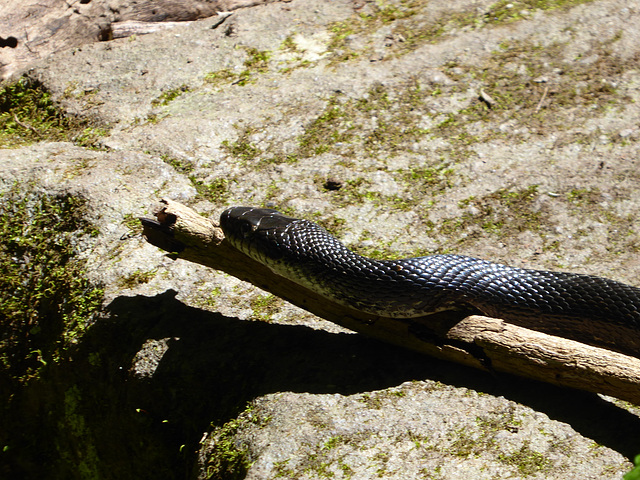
(254, 231)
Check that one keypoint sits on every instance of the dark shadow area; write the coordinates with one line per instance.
(94, 416)
(11, 42)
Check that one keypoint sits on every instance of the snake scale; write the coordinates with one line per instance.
(586, 308)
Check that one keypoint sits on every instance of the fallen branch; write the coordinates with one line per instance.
(544, 95)
(26, 126)
(132, 27)
(485, 343)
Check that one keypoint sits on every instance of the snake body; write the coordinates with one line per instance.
(583, 307)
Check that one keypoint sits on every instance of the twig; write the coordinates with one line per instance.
(544, 95)
(27, 126)
(486, 98)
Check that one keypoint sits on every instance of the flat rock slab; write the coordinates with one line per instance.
(412, 430)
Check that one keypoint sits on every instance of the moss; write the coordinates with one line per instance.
(257, 62)
(136, 278)
(504, 212)
(132, 224)
(428, 180)
(353, 192)
(216, 191)
(336, 226)
(472, 441)
(372, 400)
(414, 26)
(282, 470)
(337, 44)
(154, 118)
(84, 456)
(621, 229)
(89, 137)
(527, 88)
(209, 296)
(399, 118)
(469, 442)
(507, 11)
(46, 301)
(279, 158)
(170, 95)
(289, 44)
(180, 166)
(28, 114)
(227, 459)
(325, 461)
(528, 461)
(383, 121)
(535, 91)
(325, 131)
(220, 77)
(584, 196)
(241, 148)
(294, 56)
(273, 192)
(382, 13)
(264, 306)
(378, 252)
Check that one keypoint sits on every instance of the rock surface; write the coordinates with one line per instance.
(31, 30)
(489, 129)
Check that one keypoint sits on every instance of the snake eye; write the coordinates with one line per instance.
(246, 229)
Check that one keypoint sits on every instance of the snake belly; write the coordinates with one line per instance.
(586, 308)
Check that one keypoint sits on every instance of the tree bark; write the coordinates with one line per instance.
(489, 344)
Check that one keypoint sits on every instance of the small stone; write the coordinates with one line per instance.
(486, 98)
(332, 184)
(626, 132)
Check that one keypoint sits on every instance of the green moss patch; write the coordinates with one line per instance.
(506, 11)
(242, 148)
(413, 25)
(384, 120)
(257, 62)
(28, 114)
(264, 307)
(169, 95)
(227, 460)
(505, 212)
(46, 301)
(527, 461)
(534, 90)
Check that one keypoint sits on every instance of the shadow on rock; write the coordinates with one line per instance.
(111, 413)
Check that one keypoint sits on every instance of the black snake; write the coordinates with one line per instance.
(583, 307)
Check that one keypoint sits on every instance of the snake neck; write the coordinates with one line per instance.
(308, 255)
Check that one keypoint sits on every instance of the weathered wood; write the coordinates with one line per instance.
(31, 30)
(485, 343)
(130, 28)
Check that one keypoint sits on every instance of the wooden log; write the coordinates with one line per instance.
(489, 344)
